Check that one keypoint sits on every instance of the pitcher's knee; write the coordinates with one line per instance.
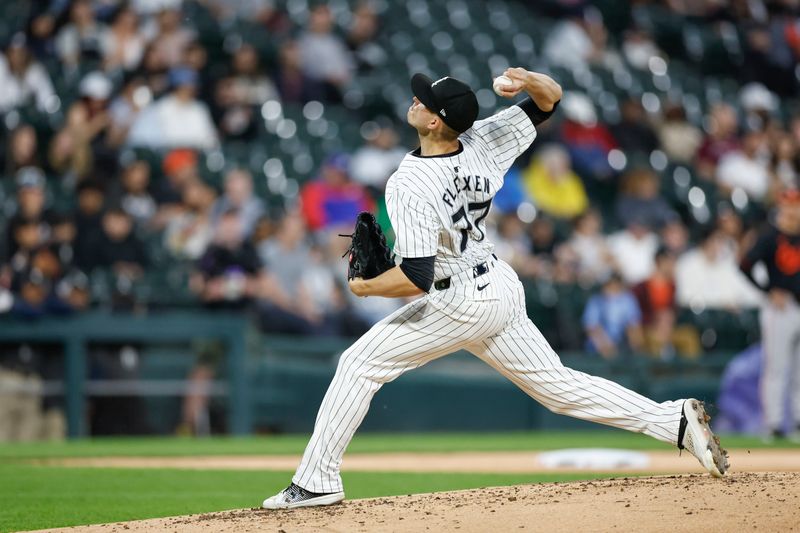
(358, 365)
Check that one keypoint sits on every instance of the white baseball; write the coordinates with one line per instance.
(499, 82)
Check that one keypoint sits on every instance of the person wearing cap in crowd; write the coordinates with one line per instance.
(22, 78)
(31, 206)
(333, 200)
(587, 139)
(80, 146)
(778, 249)
(176, 120)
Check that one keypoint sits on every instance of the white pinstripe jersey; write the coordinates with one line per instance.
(438, 204)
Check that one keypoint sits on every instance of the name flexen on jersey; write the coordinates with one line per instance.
(465, 183)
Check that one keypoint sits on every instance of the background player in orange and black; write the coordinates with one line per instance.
(778, 248)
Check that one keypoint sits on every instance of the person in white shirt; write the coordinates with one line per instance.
(745, 168)
(373, 163)
(707, 277)
(325, 57)
(22, 79)
(634, 250)
(177, 119)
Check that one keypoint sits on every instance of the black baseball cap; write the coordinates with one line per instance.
(451, 99)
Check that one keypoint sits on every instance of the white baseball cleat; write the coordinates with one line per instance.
(696, 436)
(295, 496)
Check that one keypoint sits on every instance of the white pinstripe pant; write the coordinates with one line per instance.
(493, 325)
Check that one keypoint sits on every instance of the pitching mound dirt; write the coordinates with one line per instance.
(741, 502)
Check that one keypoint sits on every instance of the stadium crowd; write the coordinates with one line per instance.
(641, 213)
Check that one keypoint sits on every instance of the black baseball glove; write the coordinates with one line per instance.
(369, 255)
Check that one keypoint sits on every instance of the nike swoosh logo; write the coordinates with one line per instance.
(480, 288)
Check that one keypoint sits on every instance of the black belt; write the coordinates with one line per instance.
(477, 270)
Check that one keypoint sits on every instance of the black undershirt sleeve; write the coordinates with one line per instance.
(419, 270)
(536, 115)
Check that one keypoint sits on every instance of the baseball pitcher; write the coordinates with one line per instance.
(438, 201)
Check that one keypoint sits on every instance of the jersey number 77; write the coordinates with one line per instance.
(477, 211)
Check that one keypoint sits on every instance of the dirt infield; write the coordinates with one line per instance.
(741, 502)
(665, 462)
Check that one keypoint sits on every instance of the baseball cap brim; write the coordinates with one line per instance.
(422, 88)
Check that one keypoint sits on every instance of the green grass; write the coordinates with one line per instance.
(40, 497)
(366, 443)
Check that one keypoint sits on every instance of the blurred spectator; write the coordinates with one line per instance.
(125, 107)
(707, 277)
(25, 237)
(679, 139)
(773, 48)
(721, 139)
(639, 49)
(784, 167)
(731, 229)
(122, 44)
(171, 38)
(675, 236)
(195, 57)
(758, 104)
(180, 168)
(238, 197)
(30, 206)
(229, 274)
(155, 72)
(612, 320)
(79, 148)
(552, 184)
(297, 308)
(62, 238)
(294, 85)
(579, 41)
(262, 12)
(512, 244)
(362, 37)
(177, 119)
(119, 248)
(639, 200)
(133, 194)
(324, 55)
(588, 141)
(91, 197)
(633, 249)
(79, 40)
(23, 79)
(22, 149)
(590, 248)
(656, 297)
(189, 231)
(633, 133)
(543, 248)
(745, 168)
(332, 200)
(374, 162)
(238, 96)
